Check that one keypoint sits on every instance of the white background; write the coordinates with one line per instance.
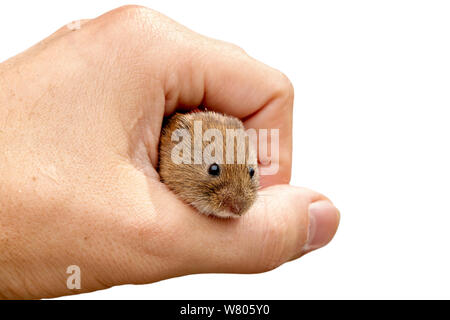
(372, 81)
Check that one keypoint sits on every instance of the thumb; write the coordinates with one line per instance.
(285, 223)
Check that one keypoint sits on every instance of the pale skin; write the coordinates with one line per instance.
(80, 117)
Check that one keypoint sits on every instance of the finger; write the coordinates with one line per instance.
(239, 85)
(195, 70)
(219, 75)
(285, 223)
(67, 28)
(262, 96)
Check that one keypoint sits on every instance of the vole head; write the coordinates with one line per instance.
(208, 161)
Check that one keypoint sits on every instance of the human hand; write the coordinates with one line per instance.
(80, 118)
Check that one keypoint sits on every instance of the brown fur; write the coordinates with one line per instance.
(231, 193)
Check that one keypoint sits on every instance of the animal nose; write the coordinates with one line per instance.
(235, 208)
(234, 205)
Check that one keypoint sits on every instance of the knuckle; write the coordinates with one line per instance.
(237, 48)
(232, 47)
(132, 10)
(131, 17)
(285, 86)
(130, 29)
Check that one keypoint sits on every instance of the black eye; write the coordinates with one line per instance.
(214, 169)
(251, 172)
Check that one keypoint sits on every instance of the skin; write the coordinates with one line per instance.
(80, 117)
